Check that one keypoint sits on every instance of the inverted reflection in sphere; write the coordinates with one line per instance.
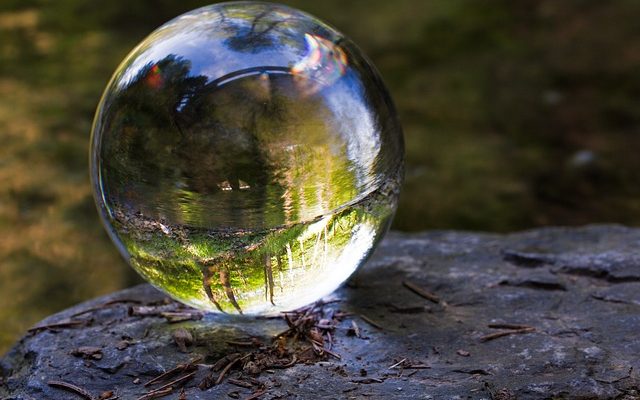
(246, 158)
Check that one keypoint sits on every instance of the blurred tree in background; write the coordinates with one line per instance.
(516, 114)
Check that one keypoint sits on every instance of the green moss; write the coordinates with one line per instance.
(248, 267)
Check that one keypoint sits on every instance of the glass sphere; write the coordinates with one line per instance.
(246, 158)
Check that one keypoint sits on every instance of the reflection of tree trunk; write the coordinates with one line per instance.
(290, 259)
(280, 263)
(266, 283)
(316, 246)
(302, 258)
(324, 253)
(268, 277)
(226, 283)
(206, 282)
(209, 274)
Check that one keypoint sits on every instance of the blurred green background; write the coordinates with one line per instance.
(516, 114)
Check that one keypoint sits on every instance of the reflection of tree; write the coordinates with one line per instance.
(268, 279)
(254, 37)
(220, 269)
(161, 125)
(255, 28)
(144, 125)
(174, 139)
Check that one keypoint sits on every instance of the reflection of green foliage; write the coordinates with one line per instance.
(177, 278)
(275, 242)
(255, 262)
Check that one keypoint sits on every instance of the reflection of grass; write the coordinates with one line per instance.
(253, 262)
(495, 99)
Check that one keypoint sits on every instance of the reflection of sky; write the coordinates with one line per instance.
(356, 124)
(204, 42)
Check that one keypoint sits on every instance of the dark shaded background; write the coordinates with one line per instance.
(516, 114)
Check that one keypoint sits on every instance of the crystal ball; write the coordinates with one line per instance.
(246, 158)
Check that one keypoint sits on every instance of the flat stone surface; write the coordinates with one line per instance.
(577, 288)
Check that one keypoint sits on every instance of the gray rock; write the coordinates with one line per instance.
(576, 288)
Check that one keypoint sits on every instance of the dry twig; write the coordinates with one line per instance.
(497, 335)
(421, 292)
(371, 322)
(71, 388)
